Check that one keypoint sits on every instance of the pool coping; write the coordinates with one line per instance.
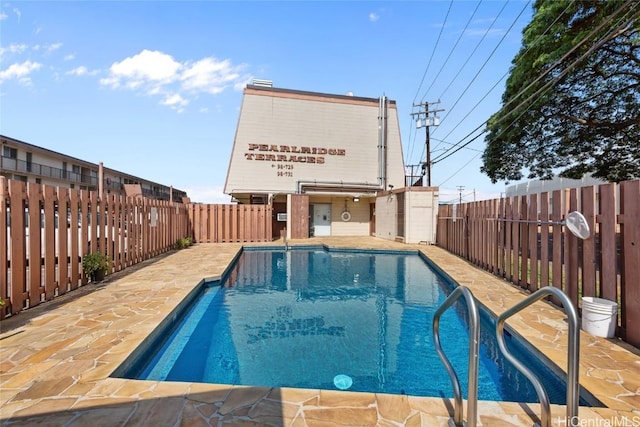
(46, 368)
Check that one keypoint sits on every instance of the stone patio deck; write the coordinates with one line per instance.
(55, 359)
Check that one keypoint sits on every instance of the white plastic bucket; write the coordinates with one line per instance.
(599, 316)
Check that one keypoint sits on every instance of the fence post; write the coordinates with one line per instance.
(630, 250)
(4, 255)
(34, 196)
(50, 284)
(17, 245)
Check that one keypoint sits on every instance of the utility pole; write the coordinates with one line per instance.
(426, 120)
(460, 189)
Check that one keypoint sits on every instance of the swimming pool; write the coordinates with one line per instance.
(312, 318)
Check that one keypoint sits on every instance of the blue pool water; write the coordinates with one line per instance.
(312, 318)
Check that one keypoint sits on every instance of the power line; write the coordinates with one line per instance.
(486, 61)
(442, 141)
(507, 72)
(433, 52)
(544, 87)
(462, 33)
(495, 19)
(458, 171)
(469, 57)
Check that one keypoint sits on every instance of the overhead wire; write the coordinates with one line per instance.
(442, 141)
(545, 87)
(410, 148)
(485, 62)
(458, 171)
(495, 19)
(507, 72)
(462, 33)
(552, 82)
(435, 47)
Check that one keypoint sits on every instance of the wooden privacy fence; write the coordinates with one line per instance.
(230, 223)
(45, 231)
(523, 240)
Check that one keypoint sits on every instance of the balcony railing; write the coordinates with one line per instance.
(37, 169)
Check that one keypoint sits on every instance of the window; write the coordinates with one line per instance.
(29, 155)
(75, 169)
(64, 170)
(9, 152)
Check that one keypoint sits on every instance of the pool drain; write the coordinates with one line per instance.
(342, 381)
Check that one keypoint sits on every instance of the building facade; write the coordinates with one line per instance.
(22, 161)
(321, 160)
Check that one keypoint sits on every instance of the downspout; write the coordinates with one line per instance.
(382, 132)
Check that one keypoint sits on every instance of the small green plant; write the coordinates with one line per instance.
(184, 242)
(95, 265)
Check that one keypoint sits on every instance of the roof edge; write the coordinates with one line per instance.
(258, 88)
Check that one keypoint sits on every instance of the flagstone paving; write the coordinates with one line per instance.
(56, 359)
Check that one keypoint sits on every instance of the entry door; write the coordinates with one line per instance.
(322, 219)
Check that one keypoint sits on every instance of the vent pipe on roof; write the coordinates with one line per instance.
(262, 83)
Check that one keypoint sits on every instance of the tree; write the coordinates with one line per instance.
(571, 105)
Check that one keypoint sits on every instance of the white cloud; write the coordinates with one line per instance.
(17, 12)
(209, 75)
(241, 84)
(137, 70)
(175, 100)
(156, 73)
(373, 17)
(20, 72)
(14, 48)
(53, 47)
(69, 57)
(81, 71)
(3, 16)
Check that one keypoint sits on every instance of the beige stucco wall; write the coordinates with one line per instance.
(358, 225)
(386, 216)
(420, 215)
(336, 136)
(421, 210)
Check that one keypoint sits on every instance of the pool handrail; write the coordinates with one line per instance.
(474, 344)
(573, 354)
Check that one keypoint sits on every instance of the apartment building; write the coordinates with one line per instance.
(330, 165)
(26, 162)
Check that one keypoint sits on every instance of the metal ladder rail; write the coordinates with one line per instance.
(573, 354)
(474, 343)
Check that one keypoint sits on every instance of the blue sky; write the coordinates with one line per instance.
(153, 88)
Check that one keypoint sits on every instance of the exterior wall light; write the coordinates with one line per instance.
(356, 199)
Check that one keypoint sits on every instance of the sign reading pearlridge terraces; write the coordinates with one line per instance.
(295, 153)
